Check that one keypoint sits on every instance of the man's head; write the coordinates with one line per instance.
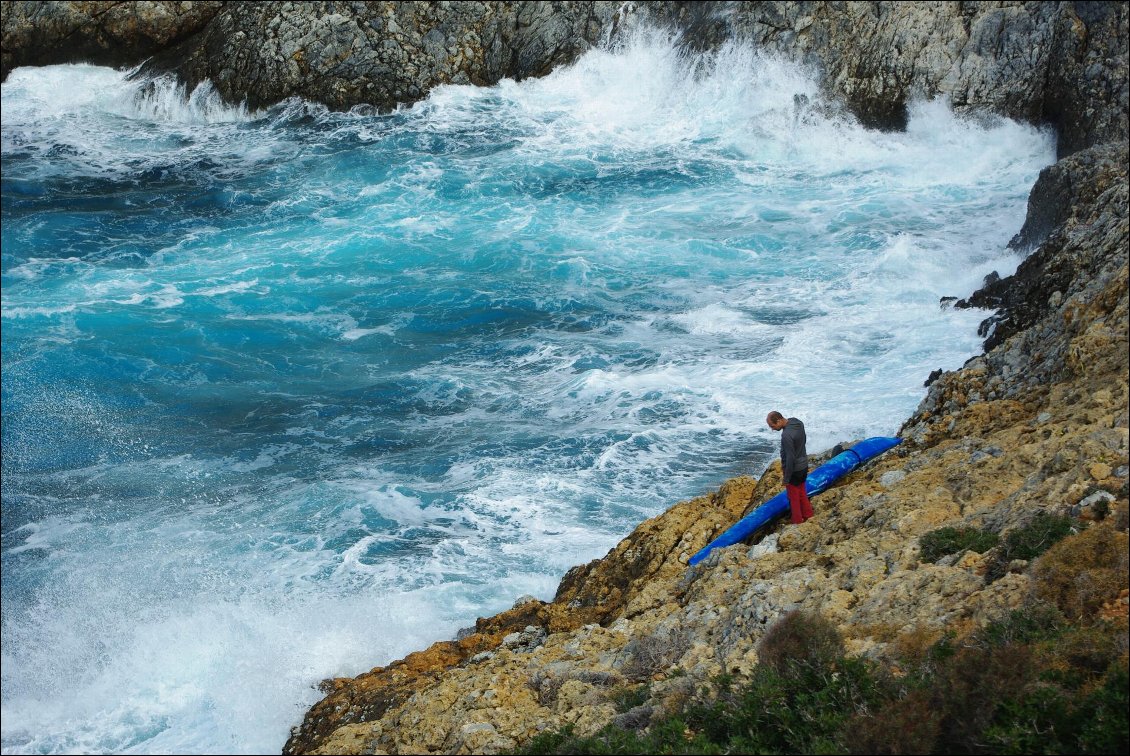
(776, 420)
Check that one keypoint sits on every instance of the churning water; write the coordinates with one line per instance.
(290, 394)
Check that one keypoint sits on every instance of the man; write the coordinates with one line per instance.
(794, 463)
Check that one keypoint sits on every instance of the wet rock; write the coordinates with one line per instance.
(103, 33)
(1055, 268)
(1061, 63)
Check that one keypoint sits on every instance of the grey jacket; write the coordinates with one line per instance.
(794, 457)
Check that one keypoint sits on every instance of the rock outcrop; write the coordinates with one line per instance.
(1060, 63)
(1056, 63)
(105, 33)
(338, 53)
(382, 54)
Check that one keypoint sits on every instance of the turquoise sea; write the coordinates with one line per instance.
(289, 394)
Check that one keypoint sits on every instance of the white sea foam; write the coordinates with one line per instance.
(93, 121)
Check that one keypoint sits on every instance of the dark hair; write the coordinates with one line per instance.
(775, 416)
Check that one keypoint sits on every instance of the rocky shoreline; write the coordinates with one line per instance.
(1042, 62)
(1038, 424)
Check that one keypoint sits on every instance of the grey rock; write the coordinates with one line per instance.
(103, 33)
(527, 640)
(1059, 63)
(768, 545)
(1026, 297)
(891, 477)
(1091, 505)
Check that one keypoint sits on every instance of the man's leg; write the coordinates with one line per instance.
(795, 502)
(805, 504)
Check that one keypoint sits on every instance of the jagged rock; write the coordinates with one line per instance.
(1057, 63)
(527, 640)
(1085, 180)
(105, 33)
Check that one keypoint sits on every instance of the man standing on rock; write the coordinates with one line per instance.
(794, 463)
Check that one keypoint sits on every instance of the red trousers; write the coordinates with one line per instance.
(798, 503)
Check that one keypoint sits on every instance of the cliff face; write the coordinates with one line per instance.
(1057, 63)
(338, 53)
(1038, 424)
(105, 33)
(1045, 62)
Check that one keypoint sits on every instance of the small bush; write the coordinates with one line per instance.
(1079, 573)
(910, 724)
(1121, 516)
(1088, 651)
(968, 688)
(1037, 536)
(628, 698)
(636, 718)
(1029, 624)
(546, 686)
(914, 646)
(1029, 541)
(944, 541)
(1030, 683)
(554, 741)
(652, 654)
(1108, 728)
(799, 637)
(599, 679)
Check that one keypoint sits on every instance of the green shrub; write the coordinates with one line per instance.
(944, 541)
(799, 636)
(1029, 541)
(906, 724)
(1029, 624)
(801, 710)
(1031, 683)
(1039, 535)
(1108, 728)
(629, 697)
(550, 742)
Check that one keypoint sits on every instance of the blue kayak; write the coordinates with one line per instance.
(818, 480)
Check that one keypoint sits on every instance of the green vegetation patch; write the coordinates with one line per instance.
(1029, 541)
(944, 541)
(1034, 682)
